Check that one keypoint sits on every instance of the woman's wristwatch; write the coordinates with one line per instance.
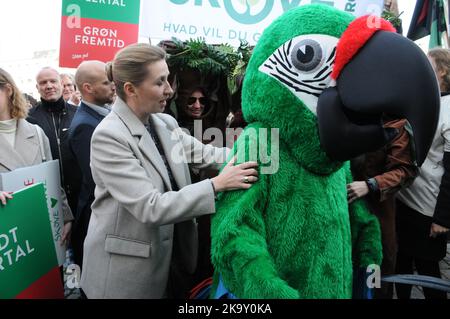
(372, 184)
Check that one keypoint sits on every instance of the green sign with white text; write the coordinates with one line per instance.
(27, 251)
(126, 11)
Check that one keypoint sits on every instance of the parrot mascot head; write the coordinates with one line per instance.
(325, 79)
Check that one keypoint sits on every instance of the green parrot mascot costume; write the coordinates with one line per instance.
(315, 90)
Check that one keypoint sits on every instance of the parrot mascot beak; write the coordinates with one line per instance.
(377, 73)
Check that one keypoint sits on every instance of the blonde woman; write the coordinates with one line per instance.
(19, 140)
(139, 162)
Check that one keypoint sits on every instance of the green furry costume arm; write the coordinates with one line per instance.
(366, 233)
(239, 248)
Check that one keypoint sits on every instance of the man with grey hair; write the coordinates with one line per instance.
(70, 93)
(97, 93)
(54, 116)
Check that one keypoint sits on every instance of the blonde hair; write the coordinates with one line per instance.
(130, 65)
(18, 106)
(442, 59)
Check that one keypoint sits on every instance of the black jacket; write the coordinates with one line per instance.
(80, 135)
(442, 211)
(55, 119)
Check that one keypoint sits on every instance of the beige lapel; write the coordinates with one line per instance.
(25, 151)
(28, 148)
(169, 145)
(145, 144)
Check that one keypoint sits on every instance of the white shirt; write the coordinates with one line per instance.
(8, 130)
(422, 194)
(73, 103)
(102, 110)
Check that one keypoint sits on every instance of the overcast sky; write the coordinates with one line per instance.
(32, 25)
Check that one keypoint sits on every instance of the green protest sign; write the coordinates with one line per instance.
(126, 11)
(27, 251)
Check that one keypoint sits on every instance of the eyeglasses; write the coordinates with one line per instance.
(192, 100)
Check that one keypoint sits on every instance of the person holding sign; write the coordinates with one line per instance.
(4, 196)
(142, 221)
(22, 144)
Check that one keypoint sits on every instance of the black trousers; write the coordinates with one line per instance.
(416, 247)
(79, 233)
(425, 268)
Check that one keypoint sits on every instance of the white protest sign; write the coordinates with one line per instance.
(228, 21)
(47, 173)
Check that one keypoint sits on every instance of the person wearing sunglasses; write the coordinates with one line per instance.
(196, 104)
(193, 106)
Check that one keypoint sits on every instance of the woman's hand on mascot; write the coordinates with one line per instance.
(356, 190)
(232, 177)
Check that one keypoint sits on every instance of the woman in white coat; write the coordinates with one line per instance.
(20, 144)
(139, 162)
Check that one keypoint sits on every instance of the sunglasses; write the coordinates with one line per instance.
(192, 100)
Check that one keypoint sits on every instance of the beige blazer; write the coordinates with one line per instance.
(128, 248)
(27, 152)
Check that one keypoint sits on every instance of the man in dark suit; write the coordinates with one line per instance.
(97, 94)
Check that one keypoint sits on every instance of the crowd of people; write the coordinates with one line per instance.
(131, 203)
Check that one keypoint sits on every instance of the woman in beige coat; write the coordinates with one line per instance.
(19, 140)
(139, 162)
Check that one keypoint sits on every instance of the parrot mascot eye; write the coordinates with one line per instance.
(304, 65)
